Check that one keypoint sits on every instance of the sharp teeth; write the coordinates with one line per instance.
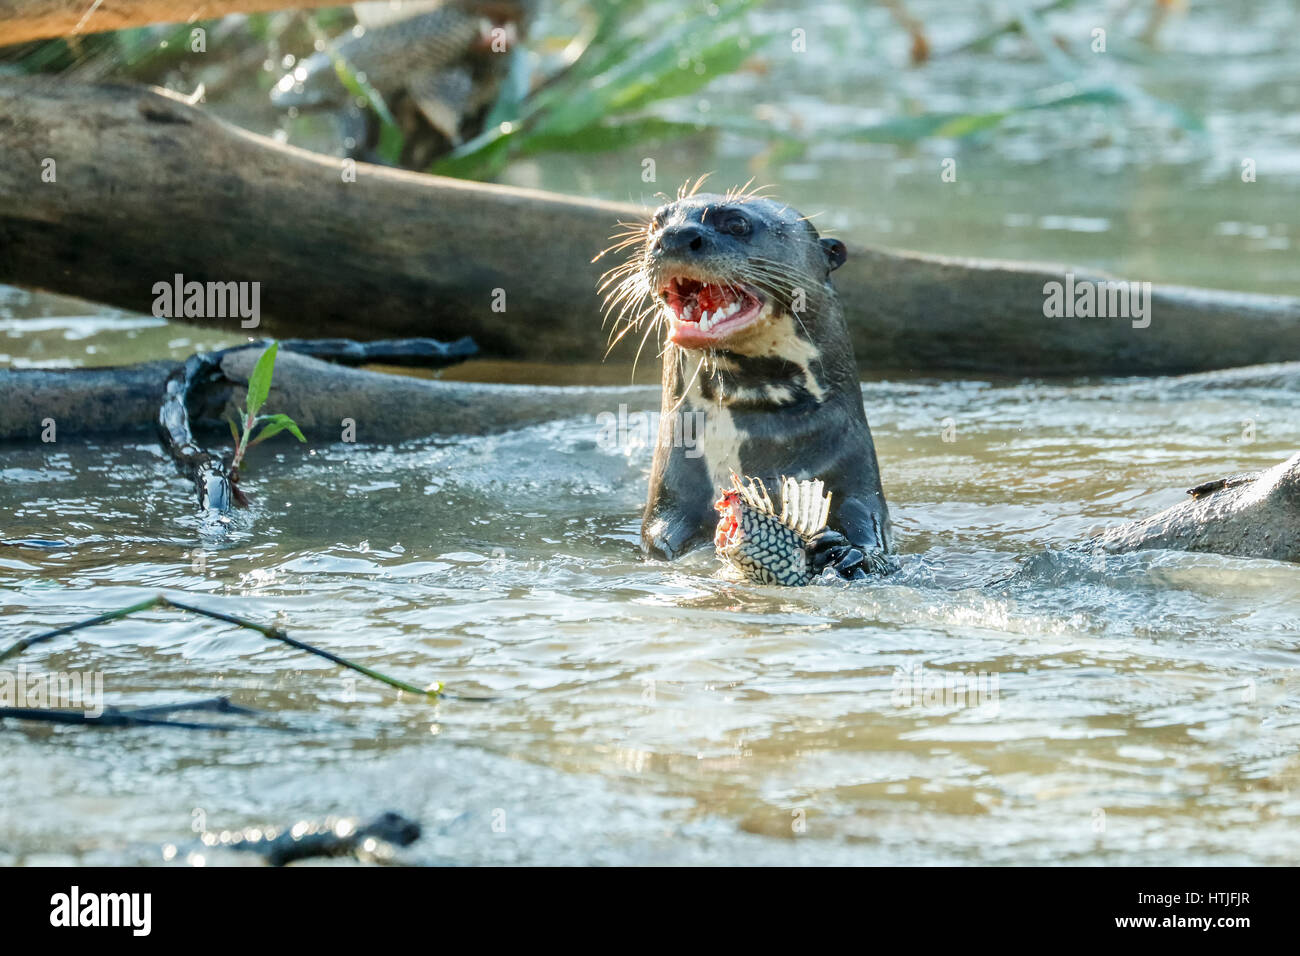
(731, 309)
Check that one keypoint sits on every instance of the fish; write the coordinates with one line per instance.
(789, 548)
(767, 548)
(429, 42)
(437, 65)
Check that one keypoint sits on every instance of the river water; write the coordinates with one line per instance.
(1001, 700)
(1135, 709)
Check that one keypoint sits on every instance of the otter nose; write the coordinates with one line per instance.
(684, 239)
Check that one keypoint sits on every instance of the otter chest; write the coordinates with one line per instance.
(720, 440)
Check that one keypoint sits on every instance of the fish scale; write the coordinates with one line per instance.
(772, 548)
(388, 54)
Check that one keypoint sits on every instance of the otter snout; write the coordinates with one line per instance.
(683, 240)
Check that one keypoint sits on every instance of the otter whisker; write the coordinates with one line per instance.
(689, 385)
(744, 193)
(616, 277)
(626, 329)
(624, 304)
(636, 358)
(631, 233)
(689, 190)
(620, 284)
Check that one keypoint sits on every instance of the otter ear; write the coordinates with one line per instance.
(835, 253)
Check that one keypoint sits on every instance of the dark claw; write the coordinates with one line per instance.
(848, 560)
(832, 549)
(825, 548)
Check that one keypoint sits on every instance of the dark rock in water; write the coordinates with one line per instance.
(1248, 516)
(309, 839)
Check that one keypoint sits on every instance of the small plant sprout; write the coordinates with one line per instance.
(259, 387)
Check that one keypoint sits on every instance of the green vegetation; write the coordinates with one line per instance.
(632, 57)
(632, 60)
(259, 388)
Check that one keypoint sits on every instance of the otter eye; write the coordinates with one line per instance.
(735, 224)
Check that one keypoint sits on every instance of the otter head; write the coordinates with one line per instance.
(724, 266)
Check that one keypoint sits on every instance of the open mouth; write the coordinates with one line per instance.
(703, 313)
(728, 532)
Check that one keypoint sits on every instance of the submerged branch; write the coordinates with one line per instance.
(331, 837)
(216, 479)
(140, 716)
(274, 633)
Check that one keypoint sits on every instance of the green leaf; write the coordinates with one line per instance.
(717, 59)
(259, 383)
(234, 430)
(483, 156)
(391, 139)
(651, 70)
(276, 424)
(598, 103)
(509, 105)
(968, 125)
(615, 36)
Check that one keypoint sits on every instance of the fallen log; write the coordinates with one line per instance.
(321, 397)
(24, 20)
(80, 401)
(1248, 516)
(149, 187)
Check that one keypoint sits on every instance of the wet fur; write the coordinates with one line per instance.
(782, 398)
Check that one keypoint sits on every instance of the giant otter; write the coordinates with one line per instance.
(755, 347)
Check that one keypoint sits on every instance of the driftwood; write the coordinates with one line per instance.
(1249, 516)
(24, 20)
(149, 187)
(319, 396)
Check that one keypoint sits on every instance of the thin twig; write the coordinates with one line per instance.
(27, 642)
(274, 633)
